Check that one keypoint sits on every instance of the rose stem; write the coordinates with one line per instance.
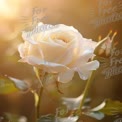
(85, 92)
(40, 91)
(39, 102)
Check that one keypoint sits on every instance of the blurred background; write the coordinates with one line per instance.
(93, 19)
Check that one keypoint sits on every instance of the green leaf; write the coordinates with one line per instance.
(11, 85)
(109, 107)
(99, 107)
(21, 85)
(112, 107)
(96, 115)
(47, 118)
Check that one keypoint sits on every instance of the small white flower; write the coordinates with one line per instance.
(67, 119)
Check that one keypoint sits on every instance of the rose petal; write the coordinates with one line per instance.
(84, 57)
(85, 70)
(36, 51)
(47, 66)
(27, 36)
(93, 65)
(21, 50)
(66, 76)
(88, 44)
(27, 49)
(64, 27)
(83, 75)
(51, 52)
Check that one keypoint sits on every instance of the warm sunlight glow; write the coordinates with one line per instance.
(8, 9)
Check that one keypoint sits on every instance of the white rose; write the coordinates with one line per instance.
(58, 49)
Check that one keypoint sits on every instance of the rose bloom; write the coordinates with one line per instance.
(108, 45)
(60, 50)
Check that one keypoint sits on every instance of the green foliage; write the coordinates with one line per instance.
(112, 107)
(10, 85)
(47, 118)
(96, 115)
(108, 107)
